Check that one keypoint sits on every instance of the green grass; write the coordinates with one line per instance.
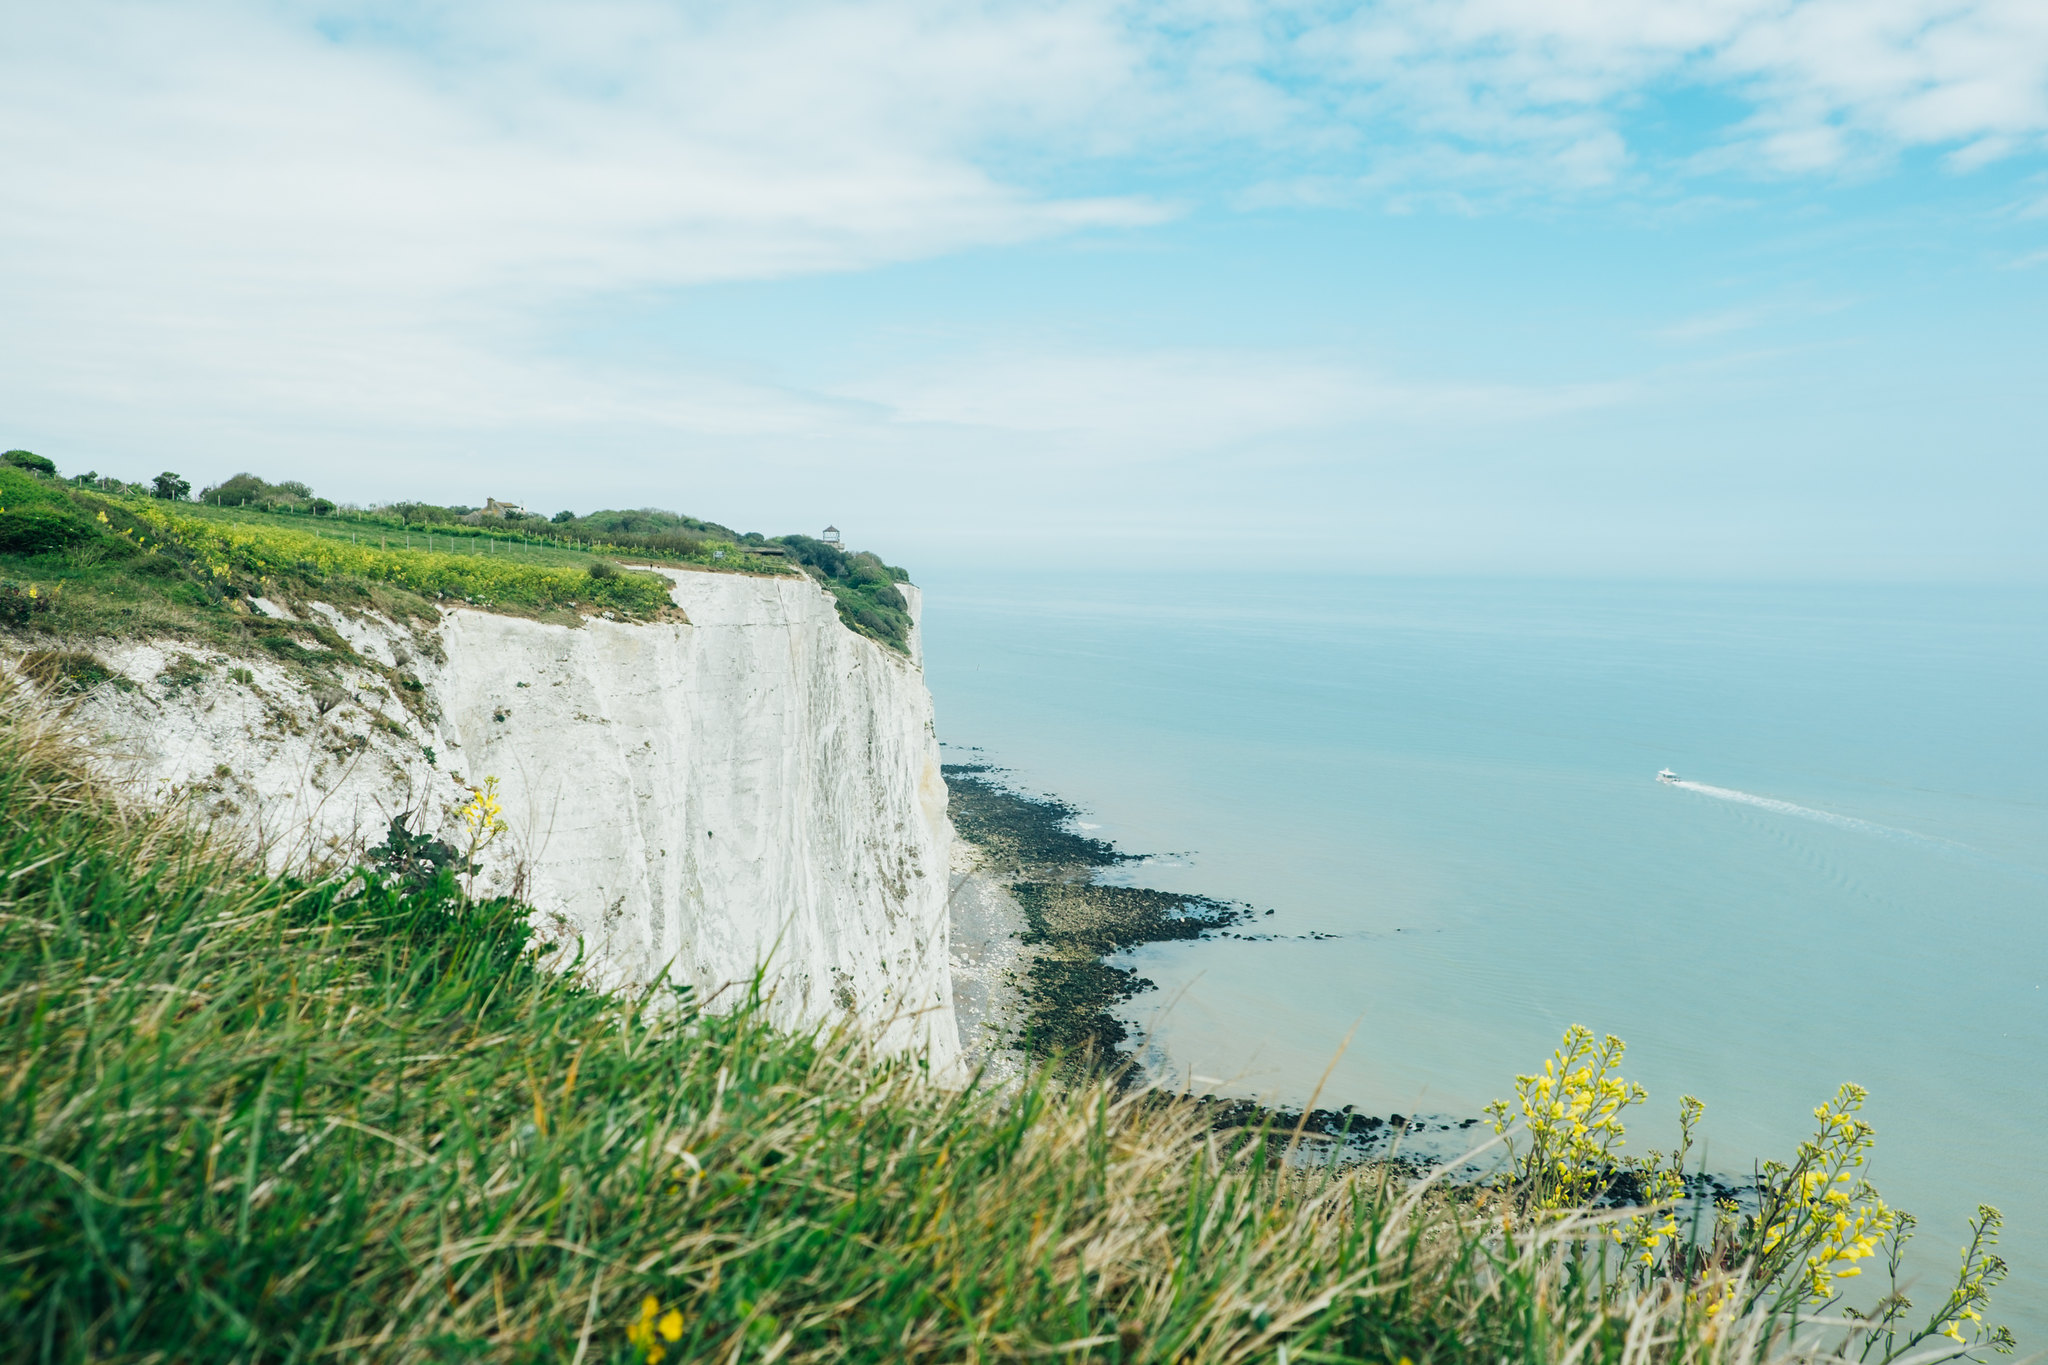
(487, 571)
(862, 587)
(249, 1118)
(111, 565)
(388, 534)
(77, 565)
(529, 541)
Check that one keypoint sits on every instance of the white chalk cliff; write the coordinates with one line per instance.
(756, 788)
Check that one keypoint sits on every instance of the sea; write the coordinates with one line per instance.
(1445, 790)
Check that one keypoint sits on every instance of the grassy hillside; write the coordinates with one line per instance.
(106, 558)
(250, 1118)
(81, 563)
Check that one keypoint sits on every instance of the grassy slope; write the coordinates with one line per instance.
(177, 569)
(489, 571)
(243, 1118)
(119, 567)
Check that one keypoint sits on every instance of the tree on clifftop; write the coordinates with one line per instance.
(170, 487)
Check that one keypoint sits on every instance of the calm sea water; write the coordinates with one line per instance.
(1455, 779)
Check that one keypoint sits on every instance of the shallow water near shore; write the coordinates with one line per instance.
(1454, 780)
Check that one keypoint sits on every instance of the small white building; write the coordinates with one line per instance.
(831, 535)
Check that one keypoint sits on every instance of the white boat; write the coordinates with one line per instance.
(1666, 775)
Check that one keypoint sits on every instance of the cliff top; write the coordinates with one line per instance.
(92, 557)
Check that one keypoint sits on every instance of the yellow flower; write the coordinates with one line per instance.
(653, 1327)
(483, 816)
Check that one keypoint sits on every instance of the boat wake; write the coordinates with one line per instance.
(1825, 817)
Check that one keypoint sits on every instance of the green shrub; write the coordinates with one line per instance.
(35, 517)
(237, 491)
(66, 670)
(861, 584)
(21, 602)
(164, 566)
(28, 459)
(289, 649)
(418, 861)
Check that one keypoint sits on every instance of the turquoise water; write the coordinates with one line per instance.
(1455, 779)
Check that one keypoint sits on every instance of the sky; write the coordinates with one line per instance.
(1698, 288)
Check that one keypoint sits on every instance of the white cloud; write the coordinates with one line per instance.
(149, 139)
(1827, 81)
(233, 217)
(227, 222)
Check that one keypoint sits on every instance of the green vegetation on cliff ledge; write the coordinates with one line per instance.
(357, 1116)
(141, 560)
(863, 587)
(76, 563)
(489, 577)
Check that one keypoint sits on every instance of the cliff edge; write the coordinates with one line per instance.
(754, 787)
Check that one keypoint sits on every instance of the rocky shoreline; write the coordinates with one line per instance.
(1032, 932)
(1033, 929)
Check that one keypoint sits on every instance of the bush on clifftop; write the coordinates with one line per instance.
(861, 584)
(29, 460)
(36, 517)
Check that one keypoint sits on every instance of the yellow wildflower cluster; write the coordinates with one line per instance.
(1960, 1318)
(1570, 1113)
(1816, 1218)
(653, 1327)
(483, 821)
(1643, 1237)
(260, 551)
(483, 816)
(1851, 1222)
(1819, 1218)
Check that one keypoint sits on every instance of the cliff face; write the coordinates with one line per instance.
(757, 787)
